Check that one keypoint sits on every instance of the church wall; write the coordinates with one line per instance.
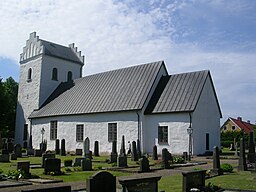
(95, 127)
(177, 132)
(206, 119)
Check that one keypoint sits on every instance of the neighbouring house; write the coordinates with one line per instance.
(232, 124)
(140, 102)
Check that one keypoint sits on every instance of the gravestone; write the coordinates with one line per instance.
(144, 165)
(138, 149)
(10, 147)
(101, 182)
(113, 154)
(48, 156)
(165, 158)
(63, 148)
(4, 158)
(154, 156)
(193, 179)
(57, 146)
(251, 153)
(30, 152)
(242, 166)
(52, 165)
(87, 153)
(13, 156)
(122, 158)
(37, 153)
(77, 161)
(122, 150)
(236, 149)
(17, 150)
(185, 156)
(43, 146)
(96, 149)
(23, 166)
(134, 156)
(216, 161)
(140, 184)
(86, 164)
(79, 151)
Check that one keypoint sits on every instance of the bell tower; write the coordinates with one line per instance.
(43, 66)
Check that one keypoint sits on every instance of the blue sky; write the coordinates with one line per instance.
(190, 35)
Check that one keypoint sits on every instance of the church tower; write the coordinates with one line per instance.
(43, 66)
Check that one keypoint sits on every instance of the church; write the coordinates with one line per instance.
(179, 112)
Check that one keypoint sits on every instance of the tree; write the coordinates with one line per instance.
(8, 102)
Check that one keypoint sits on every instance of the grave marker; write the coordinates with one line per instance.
(138, 149)
(48, 156)
(122, 158)
(86, 164)
(144, 165)
(17, 150)
(242, 166)
(23, 166)
(251, 153)
(96, 149)
(63, 148)
(134, 156)
(154, 156)
(113, 155)
(193, 179)
(165, 158)
(52, 165)
(216, 161)
(57, 146)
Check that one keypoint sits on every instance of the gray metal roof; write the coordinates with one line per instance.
(180, 93)
(55, 50)
(118, 90)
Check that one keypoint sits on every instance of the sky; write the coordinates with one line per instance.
(189, 35)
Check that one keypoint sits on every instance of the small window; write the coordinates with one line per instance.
(29, 78)
(225, 128)
(55, 74)
(25, 132)
(162, 134)
(112, 132)
(79, 133)
(233, 128)
(69, 76)
(53, 130)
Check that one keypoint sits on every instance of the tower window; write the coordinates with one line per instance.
(69, 76)
(29, 78)
(55, 74)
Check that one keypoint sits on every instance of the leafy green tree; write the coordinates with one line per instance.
(8, 102)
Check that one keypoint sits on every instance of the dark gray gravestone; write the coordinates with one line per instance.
(154, 156)
(113, 155)
(144, 165)
(165, 158)
(242, 166)
(122, 150)
(52, 165)
(57, 146)
(23, 166)
(134, 156)
(185, 156)
(63, 148)
(86, 146)
(96, 149)
(216, 161)
(140, 184)
(86, 164)
(50, 189)
(43, 146)
(138, 149)
(47, 155)
(17, 150)
(10, 147)
(37, 153)
(13, 156)
(79, 152)
(5, 157)
(101, 182)
(193, 179)
(77, 161)
(251, 153)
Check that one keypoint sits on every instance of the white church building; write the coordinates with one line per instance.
(140, 102)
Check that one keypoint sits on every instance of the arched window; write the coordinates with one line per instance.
(29, 78)
(55, 74)
(69, 76)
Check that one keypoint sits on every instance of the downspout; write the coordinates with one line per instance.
(138, 118)
(30, 135)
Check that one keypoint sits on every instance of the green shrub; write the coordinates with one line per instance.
(178, 160)
(67, 169)
(77, 168)
(68, 163)
(226, 167)
(226, 143)
(16, 174)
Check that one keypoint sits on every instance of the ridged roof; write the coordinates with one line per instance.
(117, 90)
(178, 93)
(247, 127)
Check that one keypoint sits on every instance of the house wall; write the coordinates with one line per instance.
(206, 119)
(177, 132)
(95, 127)
(229, 124)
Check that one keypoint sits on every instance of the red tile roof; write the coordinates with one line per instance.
(247, 127)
